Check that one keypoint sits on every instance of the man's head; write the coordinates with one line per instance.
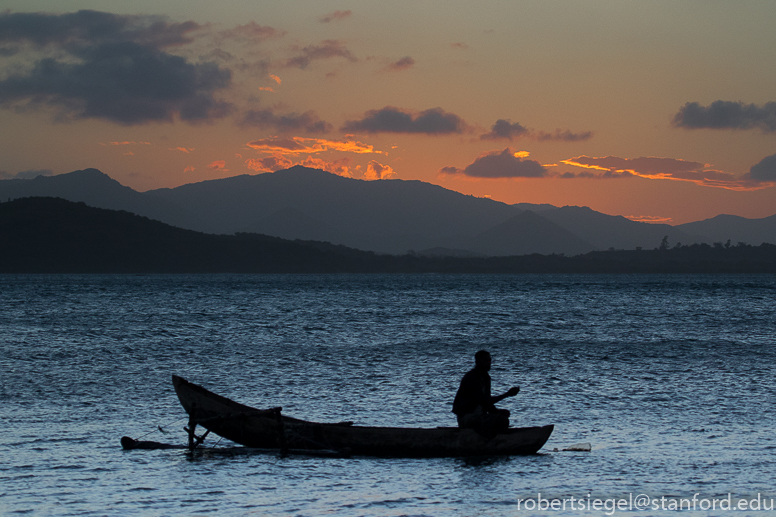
(482, 360)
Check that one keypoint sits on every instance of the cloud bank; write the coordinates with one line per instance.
(112, 67)
(727, 115)
(87, 27)
(673, 169)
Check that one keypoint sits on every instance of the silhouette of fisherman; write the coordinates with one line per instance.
(475, 406)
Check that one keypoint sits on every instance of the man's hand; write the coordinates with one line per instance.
(513, 391)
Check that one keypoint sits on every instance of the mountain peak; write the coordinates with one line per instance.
(301, 169)
(82, 176)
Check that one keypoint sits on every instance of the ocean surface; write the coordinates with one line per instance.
(669, 378)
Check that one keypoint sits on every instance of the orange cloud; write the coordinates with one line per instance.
(663, 169)
(269, 164)
(266, 89)
(218, 165)
(186, 150)
(577, 163)
(189, 168)
(339, 167)
(127, 143)
(378, 171)
(275, 78)
(648, 218)
(278, 162)
(298, 145)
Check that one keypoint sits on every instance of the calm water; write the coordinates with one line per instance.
(670, 378)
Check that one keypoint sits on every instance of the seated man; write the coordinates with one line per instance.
(474, 406)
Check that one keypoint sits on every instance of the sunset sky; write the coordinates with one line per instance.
(656, 110)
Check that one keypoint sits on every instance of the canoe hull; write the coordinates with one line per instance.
(269, 429)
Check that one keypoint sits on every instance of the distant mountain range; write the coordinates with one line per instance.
(386, 216)
(52, 235)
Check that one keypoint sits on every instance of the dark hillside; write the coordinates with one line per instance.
(53, 235)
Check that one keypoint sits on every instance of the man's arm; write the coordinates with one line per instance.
(511, 392)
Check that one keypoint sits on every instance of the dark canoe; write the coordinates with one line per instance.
(269, 429)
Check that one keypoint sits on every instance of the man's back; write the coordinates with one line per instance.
(474, 391)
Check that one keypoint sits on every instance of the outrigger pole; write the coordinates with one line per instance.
(194, 440)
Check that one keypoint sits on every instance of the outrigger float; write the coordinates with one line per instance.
(270, 429)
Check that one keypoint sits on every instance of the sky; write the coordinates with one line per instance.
(660, 111)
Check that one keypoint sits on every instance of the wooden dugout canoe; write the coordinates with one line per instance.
(269, 429)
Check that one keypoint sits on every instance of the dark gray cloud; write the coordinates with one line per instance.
(92, 27)
(433, 121)
(326, 50)
(499, 164)
(268, 119)
(114, 67)
(506, 130)
(765, 170)
(727, 115)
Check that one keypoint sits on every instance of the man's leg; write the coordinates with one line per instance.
(497, 422)
(488, 425)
